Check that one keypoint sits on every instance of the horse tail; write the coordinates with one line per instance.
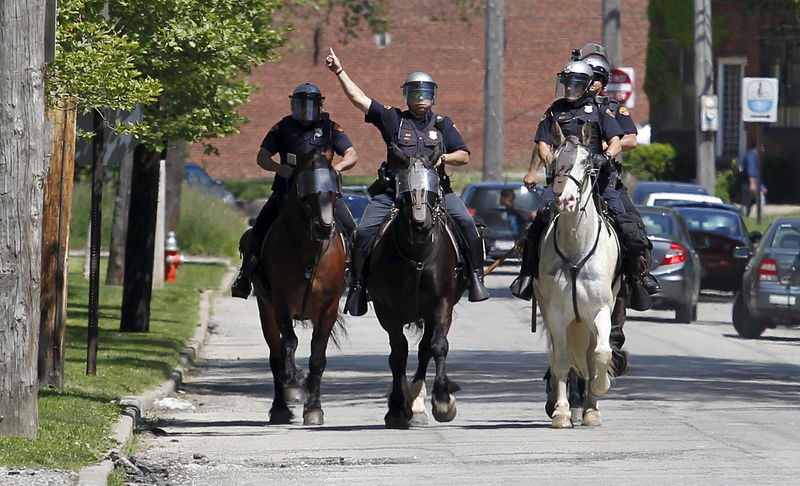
(339, 331)
(619, 361)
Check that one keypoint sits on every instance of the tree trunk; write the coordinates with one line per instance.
(176, 163)
(56, 216)
(24, 137)
(140, 243)
(493, 154)
(119, 226)
(96, 218)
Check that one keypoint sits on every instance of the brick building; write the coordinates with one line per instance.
(539, 37)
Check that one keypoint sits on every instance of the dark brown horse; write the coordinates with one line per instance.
(414, 279)
(301, 278)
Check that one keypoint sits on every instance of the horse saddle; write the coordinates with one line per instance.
(451, 229)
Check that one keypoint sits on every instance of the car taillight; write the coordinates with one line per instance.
(768, 271)
(675, 254)
(471, 211)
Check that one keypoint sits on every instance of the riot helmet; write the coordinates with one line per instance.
(418, 87)
(573, 81)
(600, 67)
(592, 49)
(306, 103)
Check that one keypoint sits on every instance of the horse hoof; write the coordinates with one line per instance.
(395, 422)
(314, 417)
(293, 395)
(419, 419)
(561, 422)
(444, 411)
(280, 416)
(591, 418)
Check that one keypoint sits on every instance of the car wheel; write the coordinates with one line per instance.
(685, 313)
(743, 321)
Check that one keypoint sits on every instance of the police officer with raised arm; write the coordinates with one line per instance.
(417, 131)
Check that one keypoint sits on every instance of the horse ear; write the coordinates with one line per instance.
(399, 153)
(586, 133)
(558, 135)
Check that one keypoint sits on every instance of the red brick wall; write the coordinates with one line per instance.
(540, 36)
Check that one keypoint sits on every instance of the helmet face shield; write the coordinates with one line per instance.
(306, 108)
(419, 92)
(572, 86)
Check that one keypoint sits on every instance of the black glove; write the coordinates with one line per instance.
(602, 161)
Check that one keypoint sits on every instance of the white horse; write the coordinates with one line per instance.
(577, 284)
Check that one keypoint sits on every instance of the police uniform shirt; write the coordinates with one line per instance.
(569, 119)
(285, 136)
(623, 117)
(387, 119)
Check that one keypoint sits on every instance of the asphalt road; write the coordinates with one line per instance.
(699, 406)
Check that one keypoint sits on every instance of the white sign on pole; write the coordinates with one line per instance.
(760, 99)
(620, 86)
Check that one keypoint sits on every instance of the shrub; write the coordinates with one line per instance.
(209, 226)
(651, 162)
(727, 183)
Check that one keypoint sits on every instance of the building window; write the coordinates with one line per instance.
(382, 39)
(730, 137)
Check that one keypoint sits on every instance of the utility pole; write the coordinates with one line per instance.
(612, 36)
(703, 86)
(493, 91)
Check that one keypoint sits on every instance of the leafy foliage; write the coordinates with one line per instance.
(200, 52)
(94, 62)
(651, 162)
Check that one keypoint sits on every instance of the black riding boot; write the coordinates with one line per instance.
(477, 291)
(648, 280)
(522, 286)
(356, 303)
(249, 247)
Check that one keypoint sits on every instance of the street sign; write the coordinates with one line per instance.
(760, 99)
(620, 86)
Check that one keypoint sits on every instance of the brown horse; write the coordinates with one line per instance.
(301, 277)
(414, 279)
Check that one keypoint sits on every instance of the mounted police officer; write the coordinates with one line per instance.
(306, 130)
(417, 131)
(574, 109)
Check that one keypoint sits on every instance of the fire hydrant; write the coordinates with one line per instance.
(172, 257)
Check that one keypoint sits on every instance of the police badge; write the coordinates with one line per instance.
(433, 134)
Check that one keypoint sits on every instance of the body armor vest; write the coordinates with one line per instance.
(301, 140)
(572, 121)
(414, 142)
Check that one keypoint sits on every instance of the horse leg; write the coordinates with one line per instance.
(619, 357)
(600, 376)
(559, 371)
(442, 399)
(399, 414)
(312, 410)
(279, 413)
(291, 375)
(417, 390)
(591, 412)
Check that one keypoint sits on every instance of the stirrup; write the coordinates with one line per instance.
(477, 290)
(356, 303)
(241, 287)
(650, 284)
(522, 287)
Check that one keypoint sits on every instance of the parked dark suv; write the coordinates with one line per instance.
(195, 176)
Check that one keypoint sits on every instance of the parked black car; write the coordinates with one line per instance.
(717, 229)
(770, 291)
(674, 263)
(503, 223)
(356, 198)
(196, 176)
(641, 190)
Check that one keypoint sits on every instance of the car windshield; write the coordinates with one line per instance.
(489, 198)
(196, 176)
(787, 236)
(657, 224)
(724, 223)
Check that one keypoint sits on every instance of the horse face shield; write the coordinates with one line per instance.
(419, 185)
(571, 170)
(318, 189)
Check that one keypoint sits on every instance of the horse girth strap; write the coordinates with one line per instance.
(575, 268)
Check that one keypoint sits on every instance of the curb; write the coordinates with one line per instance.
(133, 407)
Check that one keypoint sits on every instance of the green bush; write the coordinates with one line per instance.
(727, 183)
(81, 209)
(209, 226)
(249, 189)
(651, 162)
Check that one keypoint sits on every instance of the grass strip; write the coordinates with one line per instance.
(75, 423)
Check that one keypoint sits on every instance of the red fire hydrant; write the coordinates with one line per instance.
(172, 257)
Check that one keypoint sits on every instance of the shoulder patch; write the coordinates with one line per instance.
(274, 128)
(388, 107)
(610, 113)
(337, 127)
(623, 111)
(547, 114)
